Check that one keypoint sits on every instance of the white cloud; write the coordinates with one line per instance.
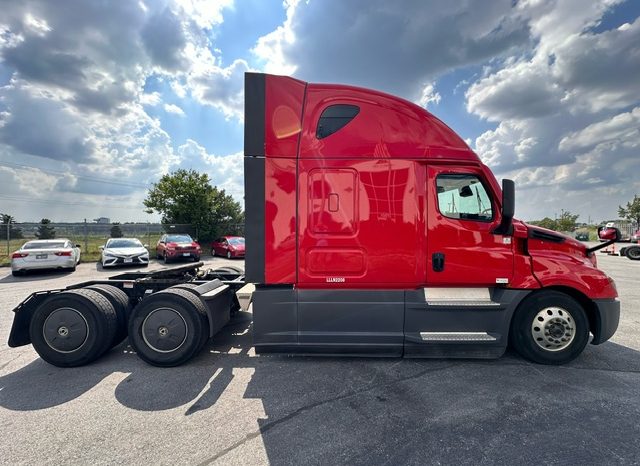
(522, 90)
(560, 132)
(225, 171)
(389, 48)
(623, 128)
(222, 88)
(151, 99)
(270, 48)
(429, 96)
(172, 108)
(76, 96)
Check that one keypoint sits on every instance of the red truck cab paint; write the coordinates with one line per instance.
(373, 228)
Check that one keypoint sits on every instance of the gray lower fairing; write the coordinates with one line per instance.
(382, 322)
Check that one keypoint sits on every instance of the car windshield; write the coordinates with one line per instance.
(124, 243)
(43, 245)
(179, 239)
(236, 241)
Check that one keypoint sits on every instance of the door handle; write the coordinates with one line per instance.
(438, 261)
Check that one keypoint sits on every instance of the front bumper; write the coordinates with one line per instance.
(113, 261)
(606, 320)
(179, 254)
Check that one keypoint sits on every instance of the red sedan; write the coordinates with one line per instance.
(228, 246)
(173, 247)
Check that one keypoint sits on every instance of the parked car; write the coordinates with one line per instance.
(173, 247)
(228, 246)
(45, 254)
(582, 236)
(124, 251)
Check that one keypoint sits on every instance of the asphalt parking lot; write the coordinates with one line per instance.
(229, 406)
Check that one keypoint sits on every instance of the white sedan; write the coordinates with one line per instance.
(124, 251)
(45, 254)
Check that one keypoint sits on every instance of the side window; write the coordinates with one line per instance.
(334, 118)
(463, 197)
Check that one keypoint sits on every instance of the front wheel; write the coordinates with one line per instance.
(633, 253)
(228, 254)
(549, 327)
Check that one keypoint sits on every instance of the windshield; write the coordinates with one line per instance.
(179, 239)
(124, 243)
(235, 241)
(43, 245)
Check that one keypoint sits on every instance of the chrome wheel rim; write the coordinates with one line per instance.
(553, 329)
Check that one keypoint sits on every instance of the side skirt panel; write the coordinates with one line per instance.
(452, 328)
(381, 323)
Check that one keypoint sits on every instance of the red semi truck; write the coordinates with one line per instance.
(372, 229)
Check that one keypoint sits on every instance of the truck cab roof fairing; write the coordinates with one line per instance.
(385, 126)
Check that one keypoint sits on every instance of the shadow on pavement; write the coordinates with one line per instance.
(35, 275)
(371, 411)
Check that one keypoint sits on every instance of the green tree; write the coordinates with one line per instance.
(116, 231)
(187, 197)
(545, 223)
(631, 211)
(14, 232)
(45, 230)
(566, 221)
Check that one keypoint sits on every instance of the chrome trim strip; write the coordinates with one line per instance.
(456, 336)
(471, 297)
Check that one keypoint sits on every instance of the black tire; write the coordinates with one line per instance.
(17, 273)
(567, 310)
(228, 254)
(186, 286)
(120, 302)
(165, 259)
(196, 259)
(178, 313)
(88, 320)
(633, 253)
(623, 251)
(213, 252)
(228, 269)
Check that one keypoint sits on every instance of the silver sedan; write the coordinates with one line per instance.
(45, 254)
(124, 251)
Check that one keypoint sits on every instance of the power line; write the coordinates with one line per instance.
(86, 177)
(33, 200)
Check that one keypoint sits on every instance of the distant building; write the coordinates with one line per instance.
(102, 220)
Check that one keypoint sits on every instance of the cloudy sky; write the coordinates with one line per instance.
(98, 99)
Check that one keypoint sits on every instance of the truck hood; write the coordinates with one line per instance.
(543, 239)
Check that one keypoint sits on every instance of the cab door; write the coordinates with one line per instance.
(462, 213)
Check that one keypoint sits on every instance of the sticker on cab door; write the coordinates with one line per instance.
(335, 279)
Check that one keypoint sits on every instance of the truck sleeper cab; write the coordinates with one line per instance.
(373, 229)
